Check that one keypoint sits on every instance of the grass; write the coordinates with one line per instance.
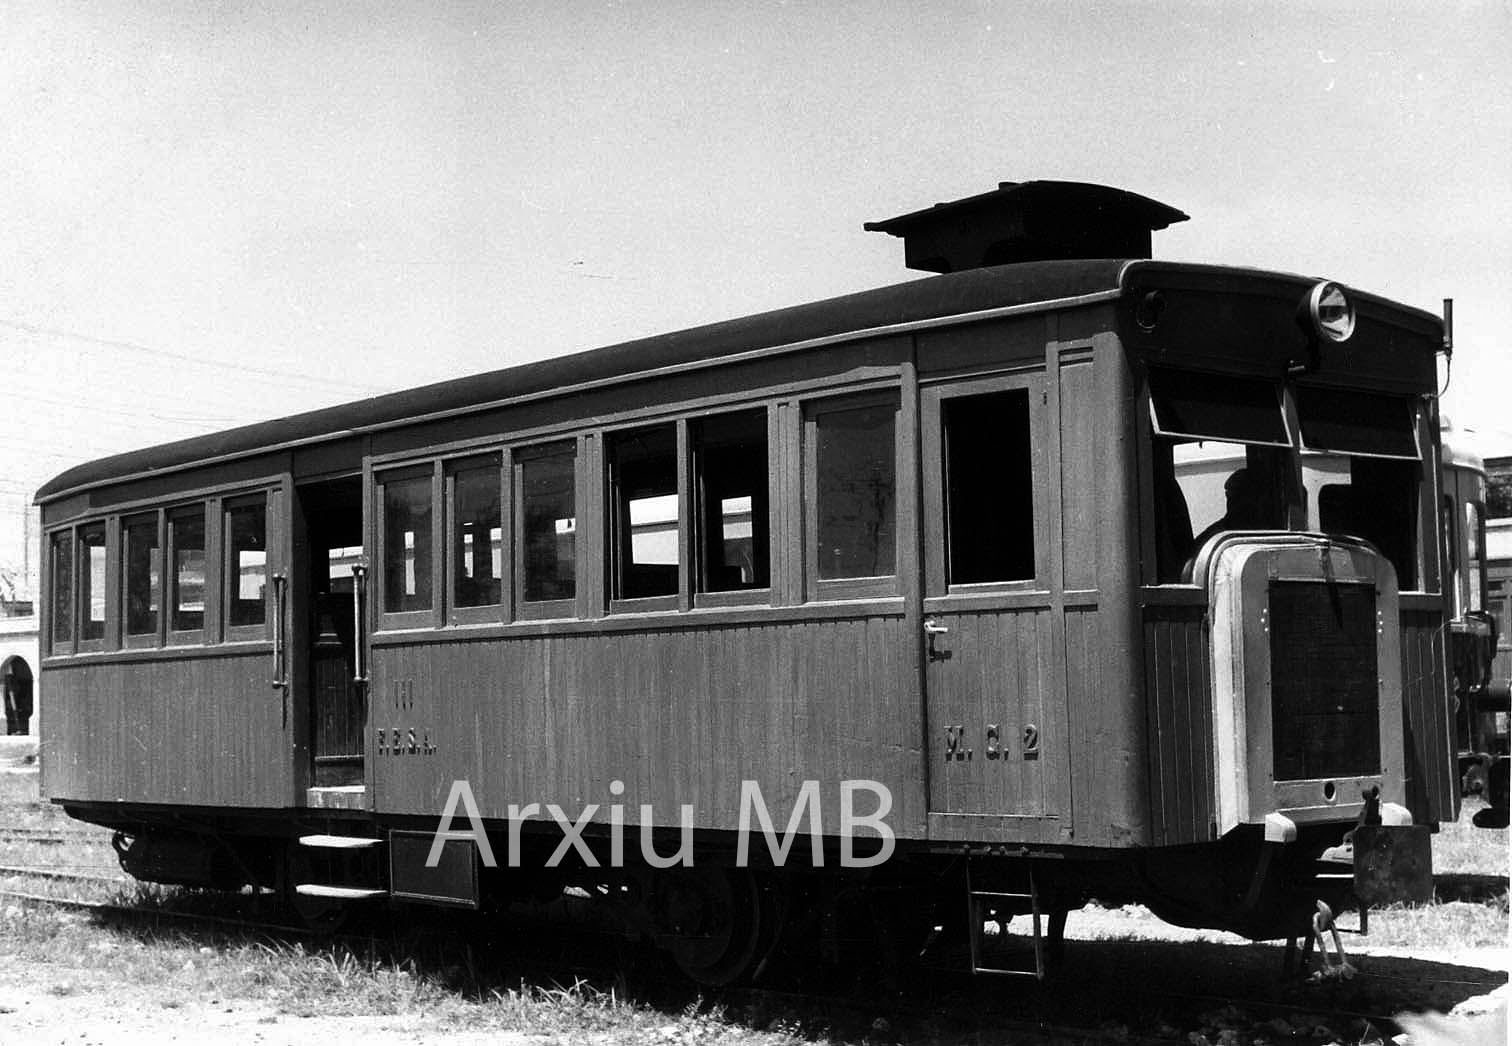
(1463, 848)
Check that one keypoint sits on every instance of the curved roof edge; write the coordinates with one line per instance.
(929, 298)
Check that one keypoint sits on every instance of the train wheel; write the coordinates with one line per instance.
(717, 924)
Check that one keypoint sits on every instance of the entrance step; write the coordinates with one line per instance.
(982, 905)
(341, 893)
(339, 842)
(336, 867)
(340, 797)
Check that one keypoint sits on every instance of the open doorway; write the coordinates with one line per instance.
(16, 682)
(326, 629)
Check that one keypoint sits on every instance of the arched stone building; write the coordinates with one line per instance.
(19, 656)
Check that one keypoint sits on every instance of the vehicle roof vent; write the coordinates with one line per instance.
(1029, 221)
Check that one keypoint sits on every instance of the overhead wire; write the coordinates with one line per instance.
(115, 343)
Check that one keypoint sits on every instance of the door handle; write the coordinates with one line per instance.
(932, 631)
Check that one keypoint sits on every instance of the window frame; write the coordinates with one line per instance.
(759, 596)
(62, 645)
(483, 613)
(231, 573)
(933, 401)
(83, 578)
(1414, 430)
(679, 598)
(427, 617)
(187, 636)
(1289, 426)
(818, 589)
(135, 640)
(544, 609)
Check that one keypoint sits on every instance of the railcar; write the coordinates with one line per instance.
(1480, 684)
(607, 617)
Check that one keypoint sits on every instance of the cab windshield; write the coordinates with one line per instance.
(1223, 458)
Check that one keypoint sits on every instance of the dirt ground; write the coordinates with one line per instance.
(55, 1005)
(58, 1003)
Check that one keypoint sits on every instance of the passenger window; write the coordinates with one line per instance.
(92, 582)
(1475, 564)
(646, 525)
(477, 535)
(989, 481)
(186, 540)
(144, 577)
(62, 586)
(854, 490)
(730, 462)
(407, 517)
(247, 563)
(546, 486)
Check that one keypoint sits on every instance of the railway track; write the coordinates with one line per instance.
(51, 836)
(1075, 1007)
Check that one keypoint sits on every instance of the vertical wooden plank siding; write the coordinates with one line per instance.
(679, 715)
(1098, 754)
(1178, 699)
(1432, 790)
(1079, 464)
(206, 732)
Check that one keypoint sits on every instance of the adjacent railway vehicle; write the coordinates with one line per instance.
(917, 555)
(1480, 701)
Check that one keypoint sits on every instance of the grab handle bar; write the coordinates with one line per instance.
(359, 631)
(280, 676)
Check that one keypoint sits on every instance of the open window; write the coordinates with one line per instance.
(989, 488)
(732, 502)
(646, 518)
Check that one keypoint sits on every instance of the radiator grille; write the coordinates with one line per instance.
(1325, 698)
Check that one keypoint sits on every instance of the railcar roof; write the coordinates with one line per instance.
(928, 298)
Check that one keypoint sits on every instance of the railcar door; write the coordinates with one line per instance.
(994, 684)
(326, 615)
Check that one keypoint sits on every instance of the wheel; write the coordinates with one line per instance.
(715, 923)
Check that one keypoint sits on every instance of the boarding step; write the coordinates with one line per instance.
(984, 904)
(342, 893)
(337, 867)
(337, 797)
(339, 842)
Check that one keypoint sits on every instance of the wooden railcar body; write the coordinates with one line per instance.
(1069, 713)
(1478, 662)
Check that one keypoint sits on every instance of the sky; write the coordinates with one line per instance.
(214, 213)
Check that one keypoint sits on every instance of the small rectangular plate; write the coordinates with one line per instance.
(454, 880)
(1393, 864)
